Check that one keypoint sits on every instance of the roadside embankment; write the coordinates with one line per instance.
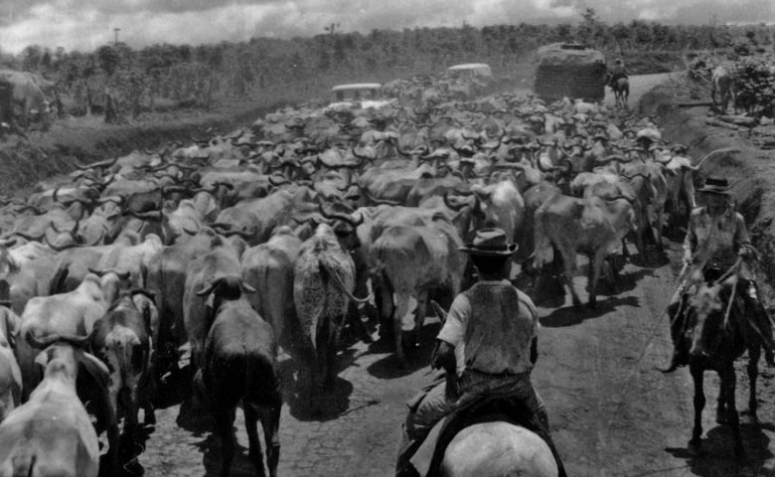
(751, 171)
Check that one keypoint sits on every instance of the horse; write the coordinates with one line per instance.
(621, 89)
(492, 449)
(717, 334)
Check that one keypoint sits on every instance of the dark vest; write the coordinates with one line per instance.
(499, 330)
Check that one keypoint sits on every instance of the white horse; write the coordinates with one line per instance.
(495, 449)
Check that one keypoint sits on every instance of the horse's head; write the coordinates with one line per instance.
(708, 312)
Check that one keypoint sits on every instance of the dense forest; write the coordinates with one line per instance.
(302, 68)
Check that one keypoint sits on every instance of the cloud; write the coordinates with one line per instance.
(87, 24)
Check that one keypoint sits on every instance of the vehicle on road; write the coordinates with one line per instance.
(570, 70)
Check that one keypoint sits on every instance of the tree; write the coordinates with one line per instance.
(108, 59)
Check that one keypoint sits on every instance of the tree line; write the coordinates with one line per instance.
(166, 75)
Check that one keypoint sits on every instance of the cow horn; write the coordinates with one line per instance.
(45, 342)
(342, 217)
(8, 242)
(190, 231)
(97, 165)
(28, 237)
(58, 248)
(150, 215)
(717, 151)
(614, 157)
(450, 205)
(34, 209)
(241, 233)
(272, 181)
(221, 225)
(144, 291)
(379, 201)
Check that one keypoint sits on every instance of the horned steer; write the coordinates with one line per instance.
(593, 226)
(10, 375)
(240, 365)
(324, 277)
(51, 434)
(121, 339)
(412, 260)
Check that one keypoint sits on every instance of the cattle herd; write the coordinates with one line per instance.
(282, 234)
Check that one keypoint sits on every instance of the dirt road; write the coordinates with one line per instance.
(612, 413)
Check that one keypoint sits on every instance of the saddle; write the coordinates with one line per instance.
(428, 458)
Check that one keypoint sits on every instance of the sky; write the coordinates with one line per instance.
(87, 24)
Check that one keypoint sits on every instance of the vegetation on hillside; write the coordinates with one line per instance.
(169, 76)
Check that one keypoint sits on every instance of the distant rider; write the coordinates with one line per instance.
(487, 346)
(618, 71)
(715, 238)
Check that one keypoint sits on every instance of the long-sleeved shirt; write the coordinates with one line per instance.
(714, 241)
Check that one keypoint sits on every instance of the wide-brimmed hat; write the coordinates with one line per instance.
(5, 293)
(716, 185)
(490, 242)
(649, 133)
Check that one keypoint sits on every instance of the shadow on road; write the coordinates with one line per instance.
(241, 466)
(571, 315)
(295, 393)
(417, 357)
(717, 459)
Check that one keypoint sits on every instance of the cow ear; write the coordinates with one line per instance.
(42, 358)
(11, 325)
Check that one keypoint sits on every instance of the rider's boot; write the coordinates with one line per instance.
(677, 322)
(762, 320)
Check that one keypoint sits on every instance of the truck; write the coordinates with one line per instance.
(570, 70)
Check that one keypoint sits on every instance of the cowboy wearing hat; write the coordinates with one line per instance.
(618, 71)
(716, 237)
(488, 345)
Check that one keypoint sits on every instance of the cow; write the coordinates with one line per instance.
(502, 206)
(222, 259)
(269, 269)
(91, 385)
(122, 340)
(410, 261)
(51, 434)
(27, 95)
(324, 278)
(166, 278)
(240, 366)
(593, 226)
(10, 374)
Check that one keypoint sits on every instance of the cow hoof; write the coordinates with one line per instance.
(592, 305)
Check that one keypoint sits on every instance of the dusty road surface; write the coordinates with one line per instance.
(612, 413)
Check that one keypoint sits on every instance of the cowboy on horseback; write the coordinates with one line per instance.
(618, 71)
(487, 347)
(716, 241)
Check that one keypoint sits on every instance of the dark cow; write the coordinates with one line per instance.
(240, 365)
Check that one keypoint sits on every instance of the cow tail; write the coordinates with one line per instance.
(541, 242)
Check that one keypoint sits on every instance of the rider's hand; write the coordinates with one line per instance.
(748, 252)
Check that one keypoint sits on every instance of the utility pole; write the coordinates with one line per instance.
(116, 40)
